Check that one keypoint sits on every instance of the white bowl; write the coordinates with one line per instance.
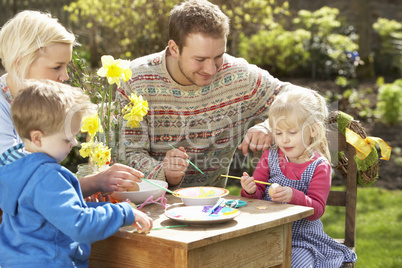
(200, 196)
(146, 190)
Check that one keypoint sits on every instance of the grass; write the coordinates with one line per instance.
(378, 226)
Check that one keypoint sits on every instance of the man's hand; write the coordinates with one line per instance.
(257, 138)
(175, 165)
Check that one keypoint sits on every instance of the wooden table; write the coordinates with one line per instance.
(256, 238)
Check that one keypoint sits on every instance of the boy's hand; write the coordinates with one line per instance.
(143, 223)
(118, 177)
(282, 194)
(248, 184)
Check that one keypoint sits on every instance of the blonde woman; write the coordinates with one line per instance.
(33, 45)
(300, 164)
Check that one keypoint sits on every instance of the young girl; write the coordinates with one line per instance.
(300, 165)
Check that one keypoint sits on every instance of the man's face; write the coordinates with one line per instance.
(200, 59)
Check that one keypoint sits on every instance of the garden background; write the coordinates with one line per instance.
(348, 50)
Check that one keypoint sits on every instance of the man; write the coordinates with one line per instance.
(201, 101)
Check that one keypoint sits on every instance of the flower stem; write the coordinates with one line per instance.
(107, 130)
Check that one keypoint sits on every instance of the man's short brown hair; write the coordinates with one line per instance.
(197, 16)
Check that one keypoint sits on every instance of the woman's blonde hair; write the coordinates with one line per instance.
(22, 38)
(304, 109)
(48, 106)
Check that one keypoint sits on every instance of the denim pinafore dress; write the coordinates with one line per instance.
(311, 246)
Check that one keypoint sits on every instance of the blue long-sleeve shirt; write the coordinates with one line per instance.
(46, 221)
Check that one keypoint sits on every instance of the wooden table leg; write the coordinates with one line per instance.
(287, 252)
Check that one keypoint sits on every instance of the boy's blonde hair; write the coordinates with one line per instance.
(302, 108)
(197, 16)
(48, 106)
(24, 36)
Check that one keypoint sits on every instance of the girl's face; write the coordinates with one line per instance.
(293, 142)
(52, 63)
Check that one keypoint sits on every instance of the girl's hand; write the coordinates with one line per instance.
(282, 194)
(248, 184)
(143, 223)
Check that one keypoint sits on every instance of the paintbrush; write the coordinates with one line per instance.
(215, 207)
(166, 189)
(168, 227)
(189, 161)
(157, 185)
(239, 178)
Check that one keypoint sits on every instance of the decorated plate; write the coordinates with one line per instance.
(200, 214)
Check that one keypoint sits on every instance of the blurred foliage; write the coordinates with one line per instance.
(389, 103)
(397, 155)
(124, 28)
(352, 100)
(320, 43)
(277, 50)
(133, 28)
(329, 41)
(390, 32)
(359, 103)
(250, 17)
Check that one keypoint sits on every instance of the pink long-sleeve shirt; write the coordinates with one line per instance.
(318, 189)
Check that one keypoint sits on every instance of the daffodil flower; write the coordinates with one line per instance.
(91, 124)
(101, 155)
(114, 70)
(86, 149)
(135, 110)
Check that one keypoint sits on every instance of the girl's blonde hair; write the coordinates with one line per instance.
(302, 108)
(22, 38)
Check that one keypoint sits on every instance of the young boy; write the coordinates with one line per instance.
(46, 221)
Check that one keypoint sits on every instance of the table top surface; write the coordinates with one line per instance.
(257, 215)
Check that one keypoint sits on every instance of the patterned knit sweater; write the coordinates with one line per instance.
(209, 122)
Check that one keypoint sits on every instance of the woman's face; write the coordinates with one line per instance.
(52, 63)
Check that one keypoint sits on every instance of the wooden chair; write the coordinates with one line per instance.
(347, 198)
